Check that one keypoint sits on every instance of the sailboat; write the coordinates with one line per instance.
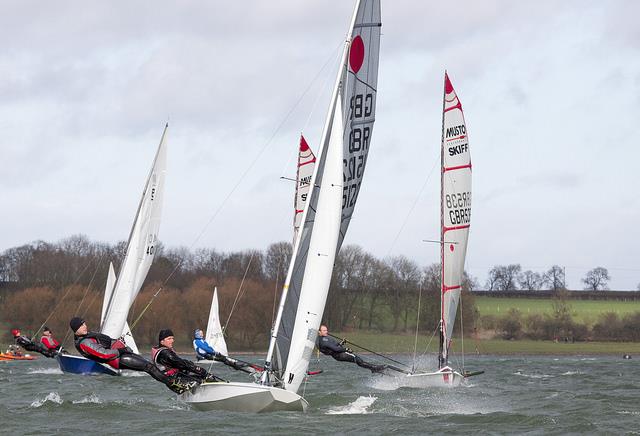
(455, 219)
(214, 335)
(334, 187)
(121, 292)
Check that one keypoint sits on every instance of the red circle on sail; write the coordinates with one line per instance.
(356, 54)
(451, 247)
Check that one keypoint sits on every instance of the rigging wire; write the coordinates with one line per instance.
(63, 297)
(234, 188)
(246, 271)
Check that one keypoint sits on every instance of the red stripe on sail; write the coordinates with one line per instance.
(307, 163)
(446, 288)
(457, 168)
(457, 106)
(459, 137)
(446, 229)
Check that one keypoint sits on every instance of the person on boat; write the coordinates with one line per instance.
(329, 346)
(103, 349)
(167, 361)
(49, 341)
(26, 343)
(204, 351)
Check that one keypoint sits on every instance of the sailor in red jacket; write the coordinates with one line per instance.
(48, 340)
(29, 345)
(101, 348)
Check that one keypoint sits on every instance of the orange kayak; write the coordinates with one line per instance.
(12, 356)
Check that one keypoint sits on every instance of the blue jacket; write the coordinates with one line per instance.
(202, 348)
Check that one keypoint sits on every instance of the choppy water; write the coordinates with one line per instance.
(522, 395)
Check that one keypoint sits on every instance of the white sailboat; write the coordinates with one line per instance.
(214, 335)
(334, 187)
(141, 247)
(455, 219)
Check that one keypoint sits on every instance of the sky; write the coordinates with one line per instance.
(550, 90)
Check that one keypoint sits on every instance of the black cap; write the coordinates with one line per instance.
(164, 333)
(46, 329)
(75, 323)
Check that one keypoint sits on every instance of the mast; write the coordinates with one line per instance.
(441, 360)
(320, 158)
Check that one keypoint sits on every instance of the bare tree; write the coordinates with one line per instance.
(531, 281)
(277, 260)
(596, 279)
(555, 278)
(504, 277)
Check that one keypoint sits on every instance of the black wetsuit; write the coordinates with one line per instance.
(38, 347)
(171, 364)
(329, 346)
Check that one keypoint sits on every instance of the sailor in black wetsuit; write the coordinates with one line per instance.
(329, 346)
(102, 348)
(29, 345)
(172, 365)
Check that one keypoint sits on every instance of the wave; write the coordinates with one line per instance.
(93, 398)
(53, 397)
(573, 373)
(357, 407)
(521, 374)
(45, 371)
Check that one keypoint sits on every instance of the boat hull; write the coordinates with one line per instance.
(81, 365)
(11, 356)
(445, 377)
(243, 397)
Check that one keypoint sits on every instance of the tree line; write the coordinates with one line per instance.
(513, 278)
(59, 280)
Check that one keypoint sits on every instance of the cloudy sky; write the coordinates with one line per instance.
(551, 92)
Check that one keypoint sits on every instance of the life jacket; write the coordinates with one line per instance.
(155, 351)
(104, 341)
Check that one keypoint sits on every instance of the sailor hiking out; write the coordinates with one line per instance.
(329, 346)
(172, 365)
(204, 351)
(102, 348)
(29, 345)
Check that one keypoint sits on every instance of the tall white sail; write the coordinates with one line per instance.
(359, 81)
(108, 291)
(455, 210)
(319, 259)
(347, 128)
(306, 164)
(214, 336)
(141, 247)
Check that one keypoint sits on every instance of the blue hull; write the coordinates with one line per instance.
(80, 365)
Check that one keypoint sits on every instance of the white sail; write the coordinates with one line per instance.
(302, 304)
(108, 290)
(306, 164)
(359, 82)
(140, 248)
(455, 208)
(214, 336)
(320, 258)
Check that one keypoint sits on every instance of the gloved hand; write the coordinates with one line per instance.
(349, 350)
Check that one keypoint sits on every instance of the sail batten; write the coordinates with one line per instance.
(455, 207)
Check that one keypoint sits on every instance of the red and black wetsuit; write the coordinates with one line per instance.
(50, 343)
(101, 348)
(29, 345)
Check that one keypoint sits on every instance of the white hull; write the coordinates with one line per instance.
(243, 397)
(445, 377)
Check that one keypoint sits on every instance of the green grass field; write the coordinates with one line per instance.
(583, 311)
(400, 344)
